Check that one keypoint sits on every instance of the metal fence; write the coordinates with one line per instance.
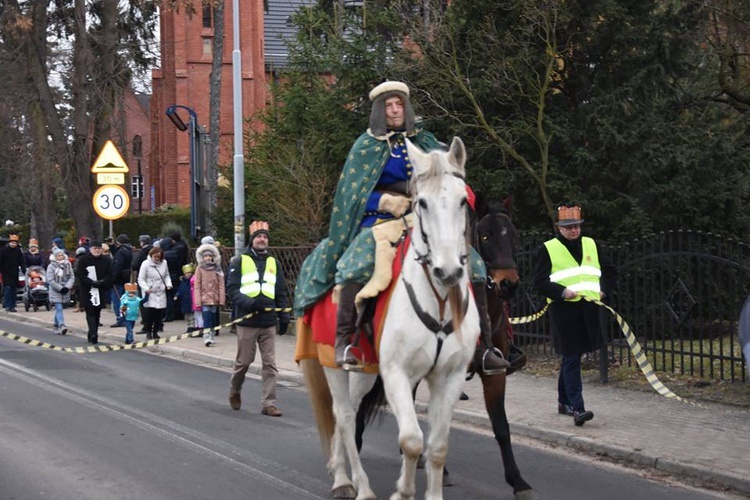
(680, 291)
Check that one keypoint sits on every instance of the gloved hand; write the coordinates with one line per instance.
(64, 290)
(283, 327)
(395, 205)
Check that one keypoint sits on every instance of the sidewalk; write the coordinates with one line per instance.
(643, 429)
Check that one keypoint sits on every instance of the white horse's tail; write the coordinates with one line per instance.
(321, 400)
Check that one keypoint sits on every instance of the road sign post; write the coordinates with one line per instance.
(111, 201)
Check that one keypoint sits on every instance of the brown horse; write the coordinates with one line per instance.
(494, 239)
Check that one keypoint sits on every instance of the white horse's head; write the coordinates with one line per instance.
(439, 203)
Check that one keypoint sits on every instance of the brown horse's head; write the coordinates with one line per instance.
(496, 242)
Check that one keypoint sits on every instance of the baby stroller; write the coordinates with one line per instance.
(35, 291)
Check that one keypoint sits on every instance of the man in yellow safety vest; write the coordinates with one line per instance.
(255, 284)
(569, 269)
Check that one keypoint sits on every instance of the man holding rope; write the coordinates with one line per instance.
(570, 268)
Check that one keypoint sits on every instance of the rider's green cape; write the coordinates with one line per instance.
(361, 172)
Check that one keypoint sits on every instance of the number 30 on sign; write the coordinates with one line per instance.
(111, 202)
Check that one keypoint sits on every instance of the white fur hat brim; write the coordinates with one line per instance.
(389, 87)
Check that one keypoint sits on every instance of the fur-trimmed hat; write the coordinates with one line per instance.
(258, 227)
(378, 96)
(569, 215)
(33, 243)
(131, 287)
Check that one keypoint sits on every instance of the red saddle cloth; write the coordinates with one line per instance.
(321, 319)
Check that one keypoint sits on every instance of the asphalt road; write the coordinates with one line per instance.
(134, 425)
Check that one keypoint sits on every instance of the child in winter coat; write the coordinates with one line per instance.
(130, 307)
(209, 287)
(60, 278)
(185, 296)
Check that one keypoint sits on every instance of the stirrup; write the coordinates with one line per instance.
(498, 371)
(358, 366)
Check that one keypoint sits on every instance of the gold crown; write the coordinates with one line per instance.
(188, 268)
(131, 287)
(13, 237)
(258, 225)
(569, 216)
(33, 242)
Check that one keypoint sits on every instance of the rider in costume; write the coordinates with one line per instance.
(373, 188)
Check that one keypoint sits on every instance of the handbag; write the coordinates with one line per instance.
(147, 294)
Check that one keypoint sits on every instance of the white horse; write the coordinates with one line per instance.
(422, 338)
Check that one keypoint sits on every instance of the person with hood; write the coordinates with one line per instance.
(32, 256)
(11, 260)
(60, 280)
(121, 262)
(255, 284)
(209, 288)
(94, 272)
(155, 282)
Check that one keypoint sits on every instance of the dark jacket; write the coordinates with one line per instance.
(172, 259)
(10, 260)
(37, 259)
(245, 304)
(184, 295)
(140, 257)
(576, 326)
(103, 266)
(121, 263)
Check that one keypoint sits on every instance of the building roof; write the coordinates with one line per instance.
(278, 30)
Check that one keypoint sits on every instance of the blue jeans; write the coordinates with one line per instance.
(129, 324)
(59, 320)
(569, 384)
(209, 316)
(117, 292)
(9, 296)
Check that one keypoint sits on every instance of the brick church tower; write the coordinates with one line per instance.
(186, 57)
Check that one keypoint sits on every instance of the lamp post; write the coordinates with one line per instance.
(238, 162)
(196, 169)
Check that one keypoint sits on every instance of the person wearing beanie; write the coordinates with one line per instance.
(32, 256)
(94, 273)
(11, 261)
(60, 280)
(568, 269)
(207, 240)
(374, 188)
(144, 242)
(209, 292)
(255, 284)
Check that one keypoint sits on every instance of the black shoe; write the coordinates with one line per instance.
(156, 336)
(141, 332)
(12, 310)
(491, 362)
(117, 325)
(581, 417)
(565, 409)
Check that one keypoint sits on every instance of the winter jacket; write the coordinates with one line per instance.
(103, 267)
(10, 260)
(575, 326)
(140, 257)
(171, 258)
(154, 279)
(209, 279)
(185, 295)
(131, 306)
(34, 259)
(245, 304)
(60, 275)
(121, 263)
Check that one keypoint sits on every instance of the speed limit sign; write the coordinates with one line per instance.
(111, 202)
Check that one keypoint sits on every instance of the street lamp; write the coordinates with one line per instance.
(196, 165)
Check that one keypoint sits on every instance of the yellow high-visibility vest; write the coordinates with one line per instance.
(582, 278)
(252, 284)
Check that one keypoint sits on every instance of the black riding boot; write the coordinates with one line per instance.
(346, 320)
(487, 358)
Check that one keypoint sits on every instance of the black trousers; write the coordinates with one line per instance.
(93, 315)
(152, 321)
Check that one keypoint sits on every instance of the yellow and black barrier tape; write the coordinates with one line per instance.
(635, 349)
(136, 345)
